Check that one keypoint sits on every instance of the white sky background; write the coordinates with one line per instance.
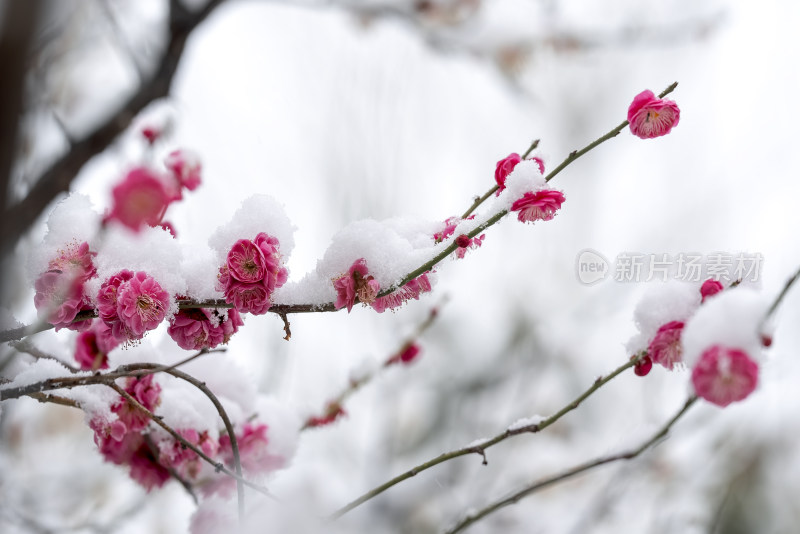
(341, 122)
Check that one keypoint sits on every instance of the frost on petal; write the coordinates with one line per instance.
(139, 199)
(665, 348)
(651, 117)
(724, 375)
(541, 205)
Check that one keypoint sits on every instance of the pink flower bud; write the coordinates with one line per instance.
(710, 288)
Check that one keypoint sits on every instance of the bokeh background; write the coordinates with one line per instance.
(344, 110)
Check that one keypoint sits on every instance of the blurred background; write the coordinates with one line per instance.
(345, 110)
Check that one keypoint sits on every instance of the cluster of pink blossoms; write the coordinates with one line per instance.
(357, 283)
(142, 197)
(464, 242)
(203, 328)
(252, 272)
(540, 205)
(126, 441)
(721, 375)
(131, 304)
(60, 294)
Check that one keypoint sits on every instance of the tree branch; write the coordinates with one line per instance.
(481, 447)
(58, 177)
(527, 490)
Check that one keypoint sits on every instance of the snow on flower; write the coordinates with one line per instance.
(665, 348)
(448, 230)
(506, 166)
(651, 117)
(139, 199)
(541, 205)
(724, 375)
(251, 274)
(661, 304)
(60, 293)
(203, 328)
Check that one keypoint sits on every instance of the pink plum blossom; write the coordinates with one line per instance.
(538, 206)
(246, 262)
(185, 461)
(151, 133)
(147, 393)
(724, 375)
(203, 328)
(75, 260)
(58, 298)
(93, 345)
(411, 290)
(710, 288)
(465, 243)
(506, 165)
(145, 469)
(357, 283)
(185, 168)
(139, 199)
(665, 348)
(449, 228)
(407, 355)
(141, 304)
(651, 117)
(251, 274)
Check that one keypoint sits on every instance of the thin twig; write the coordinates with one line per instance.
(527, 490)
(27, 348)
(481, 447)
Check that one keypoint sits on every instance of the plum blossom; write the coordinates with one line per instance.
(357, 283)
(538, 206)
(710, 288)
(185, 461)
(665, 348)
(651, 117)
(643, 366)
(724, 375)
(411, 290)
(466, 243)
(60, 292)
(141, 304)
(147, 392)
(203, 328)
(139, 199)
(449, 228)
(93, 345)
(507, 164)
(252, 272)
(407, 355)
(185, 167)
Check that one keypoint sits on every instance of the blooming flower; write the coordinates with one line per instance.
(356, 283)
(172, 453)
(199, 328)
(251, 274)
(665, 348)
(538, 206)
(93, 345)
(651, 117)
(724, 375)
(147, 393)
(58, 298)
(141, 304)
(449, 228)
(411, 290)
(139, 199)
(710, 288)
(506, 165)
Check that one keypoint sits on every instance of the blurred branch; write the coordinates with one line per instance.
(334, 408)
(58, 177)
(532, 488)
(18, 27)
(480, 448)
